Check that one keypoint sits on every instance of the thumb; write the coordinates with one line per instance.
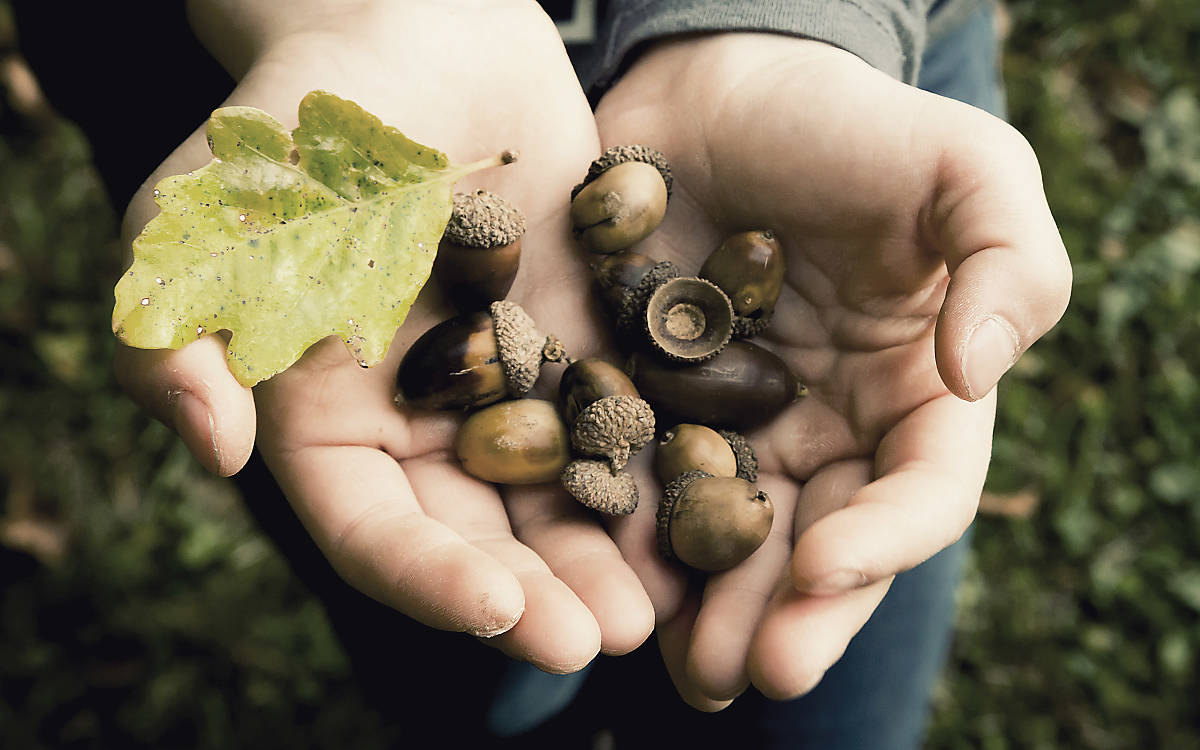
(1010, 277)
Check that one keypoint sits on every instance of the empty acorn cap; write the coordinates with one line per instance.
(615, 427)
(619, 155)
(483, 220)
(670, 496)
(521, 347)
(600, 488)
(688, 319)
(633, 301)
(747, 459)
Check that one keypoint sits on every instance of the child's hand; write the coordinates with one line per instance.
(922, 259)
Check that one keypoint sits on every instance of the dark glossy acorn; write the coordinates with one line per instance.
(480, 250)
(712, 523)
(514, 442)
(626, 280)
(688, 319)
(475, 359)
(742, 387)
(748, 267)
(586, 381)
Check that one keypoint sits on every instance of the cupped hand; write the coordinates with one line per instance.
(378, 486)
(922, 259)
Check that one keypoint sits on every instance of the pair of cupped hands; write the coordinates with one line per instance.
(922, 259)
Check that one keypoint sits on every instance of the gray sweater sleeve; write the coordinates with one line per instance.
(888, 34)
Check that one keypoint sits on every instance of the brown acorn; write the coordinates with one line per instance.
(588, 380)
(615, 427)
(688, 319)
(742, 387)
(712, 523)
(693, 447)
(749, 267)
(599, 487)
(747, 459)
(480, 250)
(626, 281)
(523, 441)
(475, 359)
(622, 200)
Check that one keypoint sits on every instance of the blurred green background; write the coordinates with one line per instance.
(139, 606)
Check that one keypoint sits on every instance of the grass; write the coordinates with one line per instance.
(140, 606)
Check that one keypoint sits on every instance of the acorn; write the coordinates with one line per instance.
(596, 485)
(622, 199)
(749, 267)
(588, 380)
(688, 319)
(694, 447)
(712, 523)
(742, 387)
(514, 442)
(626, 281)
(480, 250)
(615, 427)
(747, 459)
(475, 359)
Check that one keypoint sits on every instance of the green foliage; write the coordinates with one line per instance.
(1079, 626)
(284, 239)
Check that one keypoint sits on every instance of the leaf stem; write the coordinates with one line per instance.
(508, 156)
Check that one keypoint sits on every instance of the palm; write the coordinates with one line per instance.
(880, 466)
(378, 487)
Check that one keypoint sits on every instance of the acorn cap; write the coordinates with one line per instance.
(666, 505)
(520, 346)
(688, 319)
(600, 488)
(483, 220)
(747, 459)
(615, 427)
(633, 303)
(619, 155)
(745, 327)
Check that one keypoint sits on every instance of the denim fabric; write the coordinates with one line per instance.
(877, 696)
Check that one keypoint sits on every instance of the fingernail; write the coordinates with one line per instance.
(991, 350)
(194, 423)
(491, 630)
(834, 583)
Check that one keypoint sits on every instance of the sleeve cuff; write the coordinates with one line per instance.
(887, 34)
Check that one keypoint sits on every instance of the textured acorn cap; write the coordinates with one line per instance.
(633, 304)
(747, 459)
(744, 327)
(688, 319)
(615, 427)
(619, 155)
(600, 488)
(483, 220)
(519, 345)
(666, 506)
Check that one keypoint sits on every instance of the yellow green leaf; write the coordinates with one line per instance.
(286, 238)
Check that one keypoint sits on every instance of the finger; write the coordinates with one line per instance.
(584, 557)
(930, 469)
(635, 536)
(557, 632)
(734, 603)
(1010, 277)
(673, 639)
(192, 391)
(360, 509)
(802, 636)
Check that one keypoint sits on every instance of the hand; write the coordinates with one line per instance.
(921, 260)
(378, 487)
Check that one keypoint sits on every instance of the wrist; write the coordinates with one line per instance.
(239, 33)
